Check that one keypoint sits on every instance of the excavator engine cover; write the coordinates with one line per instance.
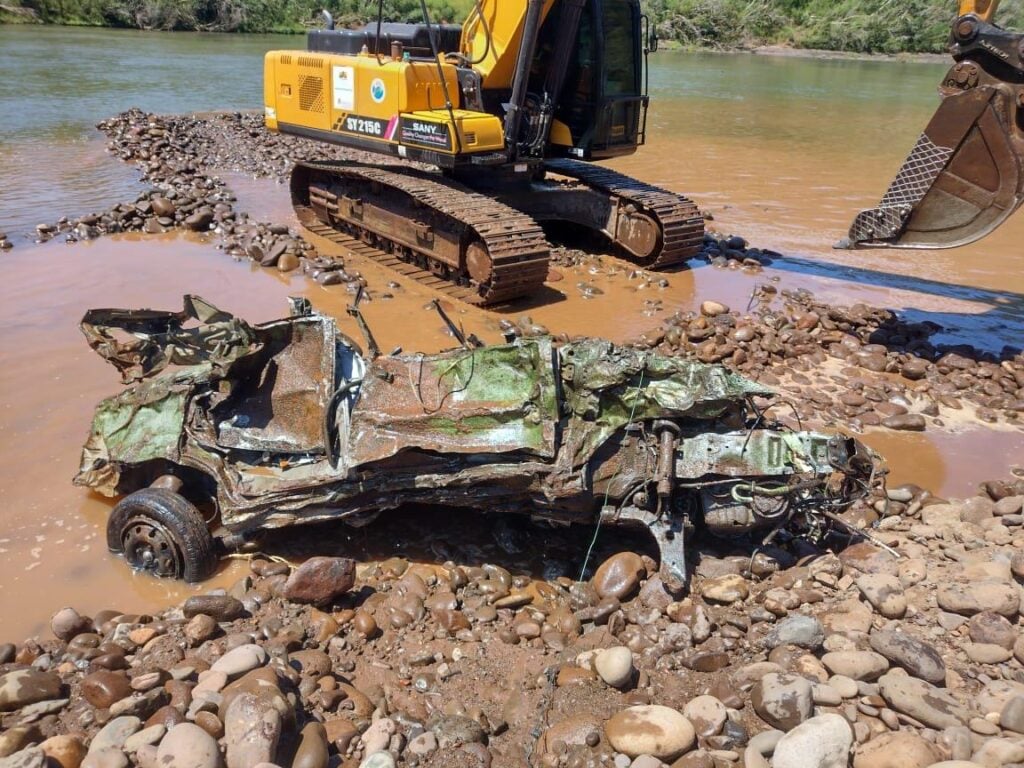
(965, 175)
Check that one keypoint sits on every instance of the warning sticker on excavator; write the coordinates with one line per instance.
(344, 87)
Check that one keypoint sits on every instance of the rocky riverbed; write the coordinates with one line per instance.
(789, 658)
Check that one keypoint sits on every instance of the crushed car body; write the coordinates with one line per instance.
(289, 422)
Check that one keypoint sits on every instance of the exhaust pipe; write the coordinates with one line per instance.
(328, 19)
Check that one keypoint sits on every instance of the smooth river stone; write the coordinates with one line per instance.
(820, 742)
(33, 757)
(707, 715)
(783, 700)
(320, 580)
(65, 750)
(114, 734)
(619, 576)
(615, 666)
(797, 629)
(884, 592)
(102, 688)
(915, 656)
(968, 599)
(924, 702)
(251, 731)
(220, 607)
(27, 686)
(240, 660)
(857, 665)
(188, 746)
(650, 729)
(896, 750)
(312, 749)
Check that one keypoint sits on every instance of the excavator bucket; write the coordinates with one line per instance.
(965, 175)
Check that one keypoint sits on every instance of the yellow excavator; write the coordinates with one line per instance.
(504, 116)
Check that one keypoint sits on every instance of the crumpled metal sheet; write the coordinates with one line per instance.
(278, 403)
(513, 420)
(606, 387)
(746, 453)
(140, 424)
(490, 400)
(157, 339)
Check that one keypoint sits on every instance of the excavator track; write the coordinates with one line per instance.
(471, 247)
(681, 222)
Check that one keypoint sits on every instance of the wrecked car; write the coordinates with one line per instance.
(289, 422)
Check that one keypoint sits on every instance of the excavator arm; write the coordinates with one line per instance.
(965, 175)
(985, 10)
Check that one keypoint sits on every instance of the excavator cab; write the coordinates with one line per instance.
(965, 175)
(604, 100)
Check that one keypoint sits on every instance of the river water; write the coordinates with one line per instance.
(781, 150)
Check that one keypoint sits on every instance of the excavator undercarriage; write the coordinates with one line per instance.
(510, 109)
(486, 245)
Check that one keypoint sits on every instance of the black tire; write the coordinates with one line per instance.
(161, 532)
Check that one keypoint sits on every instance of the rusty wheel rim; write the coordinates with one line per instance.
(148, 546)
(478, 263)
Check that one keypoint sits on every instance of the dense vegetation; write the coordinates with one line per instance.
(867, 26)
(223, 15)
(888, 26)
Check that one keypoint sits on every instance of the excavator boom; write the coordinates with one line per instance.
(965, 175)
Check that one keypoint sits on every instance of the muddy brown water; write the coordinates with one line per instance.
(782, 151)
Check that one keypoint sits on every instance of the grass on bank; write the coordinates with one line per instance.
(862, 26)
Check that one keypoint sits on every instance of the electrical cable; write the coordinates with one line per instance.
(380, 23)
(608, 488)
(440, 74)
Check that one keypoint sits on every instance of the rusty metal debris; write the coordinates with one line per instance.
(288, 422)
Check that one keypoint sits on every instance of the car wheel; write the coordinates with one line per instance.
(162, 533)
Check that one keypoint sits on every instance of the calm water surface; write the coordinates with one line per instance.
(781, 150)
(58, 82)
